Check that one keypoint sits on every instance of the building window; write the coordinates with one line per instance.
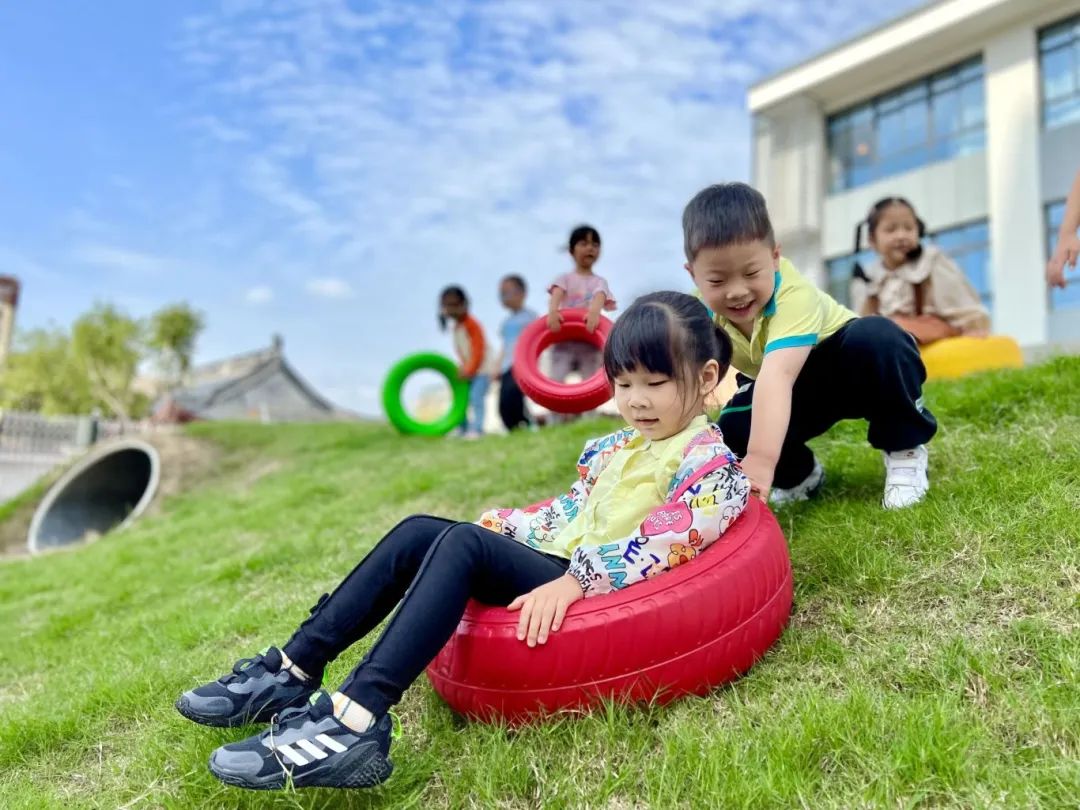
(967, 245)
(1059, 58)
(1069, 298)
(933, 119)
(839, 271)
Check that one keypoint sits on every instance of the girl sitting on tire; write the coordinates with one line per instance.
(917, 286)
(647, 498)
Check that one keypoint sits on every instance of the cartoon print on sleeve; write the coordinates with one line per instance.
(540, 523)
(708, 493)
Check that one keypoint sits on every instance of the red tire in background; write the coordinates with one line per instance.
(685, 632)
(557, 396)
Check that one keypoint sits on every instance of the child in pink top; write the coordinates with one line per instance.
(579, 289)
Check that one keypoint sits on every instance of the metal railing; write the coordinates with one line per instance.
(31, 444)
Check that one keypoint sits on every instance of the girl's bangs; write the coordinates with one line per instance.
(643, 342)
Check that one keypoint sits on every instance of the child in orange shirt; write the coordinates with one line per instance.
(477, 359)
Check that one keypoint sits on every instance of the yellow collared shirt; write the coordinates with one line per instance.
(635, 481)
(798, 314)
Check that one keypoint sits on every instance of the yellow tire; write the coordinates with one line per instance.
(955, 357)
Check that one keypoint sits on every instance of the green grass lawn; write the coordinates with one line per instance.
(933, 657)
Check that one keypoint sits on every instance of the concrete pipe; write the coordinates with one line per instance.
(106, 490)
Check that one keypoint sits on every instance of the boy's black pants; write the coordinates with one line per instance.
(512, 403)
(869, 369)
(433, 566)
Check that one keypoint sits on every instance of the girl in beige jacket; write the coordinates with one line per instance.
(919, 287)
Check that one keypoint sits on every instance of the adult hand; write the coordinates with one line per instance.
(554, 320)
(592, 320)
(760, 474)
(543, 609)
(1066, 253)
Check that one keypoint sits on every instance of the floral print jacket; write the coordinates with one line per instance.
(705, 496)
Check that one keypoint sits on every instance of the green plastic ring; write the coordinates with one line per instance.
(395, 381)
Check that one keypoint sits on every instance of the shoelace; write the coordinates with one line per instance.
(284, 717)
(276, 722)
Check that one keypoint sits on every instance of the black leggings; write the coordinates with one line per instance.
(433, 566)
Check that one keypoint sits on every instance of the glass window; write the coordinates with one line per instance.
(1069, 298)
(1059, 59)
(967, 245)
(933, 119)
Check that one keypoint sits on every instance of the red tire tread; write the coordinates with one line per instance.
(553, 395)
(685, 632)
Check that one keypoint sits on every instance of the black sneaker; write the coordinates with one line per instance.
(308, 747)
(255, 690)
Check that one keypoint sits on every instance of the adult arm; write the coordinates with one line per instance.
(1068, 244)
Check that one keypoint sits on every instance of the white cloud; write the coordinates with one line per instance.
(406, 146)
(219, 130)
(122, 259)
(260, 294)
(329, 288)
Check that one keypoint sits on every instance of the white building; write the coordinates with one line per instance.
(968, 108)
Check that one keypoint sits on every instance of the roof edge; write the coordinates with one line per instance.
(845, 43)
(894, 43)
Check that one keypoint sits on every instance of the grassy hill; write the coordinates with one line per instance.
(933, 657)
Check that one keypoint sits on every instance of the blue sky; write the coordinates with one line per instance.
(321, 168)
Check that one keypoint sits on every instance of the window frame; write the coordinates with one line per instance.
(846, 172)
(1071, 101)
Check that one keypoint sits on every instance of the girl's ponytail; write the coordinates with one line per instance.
(724, 350)
(857, 268)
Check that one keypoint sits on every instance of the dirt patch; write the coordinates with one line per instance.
(185, 463)
(257, 471)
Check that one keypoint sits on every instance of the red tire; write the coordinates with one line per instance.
(687, 631)
(557, 396)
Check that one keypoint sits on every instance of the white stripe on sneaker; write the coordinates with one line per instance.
(294, 756)
(331, 743)
(318, 753)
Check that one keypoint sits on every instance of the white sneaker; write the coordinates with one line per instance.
(799, 492)
(905, 477)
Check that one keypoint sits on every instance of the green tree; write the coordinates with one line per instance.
(171, 336)
(108, 345)
(41, 375)
(95, 365)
